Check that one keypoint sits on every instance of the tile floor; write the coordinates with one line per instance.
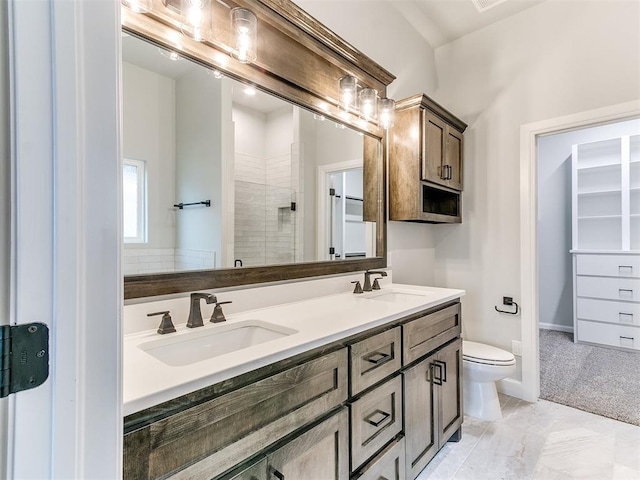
(541, 441)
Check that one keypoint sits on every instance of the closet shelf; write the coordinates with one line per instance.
(598, 217)
(601, 192)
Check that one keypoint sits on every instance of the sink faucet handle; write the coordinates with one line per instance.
(358, 287)
(376, 284)
(166, 325)
(218, 315)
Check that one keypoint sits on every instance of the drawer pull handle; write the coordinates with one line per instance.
(431, 376)
(625, 291)
(626, 317)
(382, 416)
(629, 267)
(625, 338)
(378, 358)
(278, 475)
(444, 369)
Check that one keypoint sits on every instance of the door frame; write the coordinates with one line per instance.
(66, 175)
(529, 388)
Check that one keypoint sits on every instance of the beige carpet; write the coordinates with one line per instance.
(599, 380)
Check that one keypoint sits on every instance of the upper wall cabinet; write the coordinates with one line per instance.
(425, 163)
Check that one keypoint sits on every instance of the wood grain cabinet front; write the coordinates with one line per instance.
(374, 359)
(376, 418)
(389, 464)
(433, 405)
(428, 332)
(425, 163)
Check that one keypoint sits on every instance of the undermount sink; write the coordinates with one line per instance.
(211, 342)
(394, 296)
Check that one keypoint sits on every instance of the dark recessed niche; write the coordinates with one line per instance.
(440, 202)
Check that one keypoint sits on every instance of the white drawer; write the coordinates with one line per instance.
(607, 334)
(608, 265)
(624, 313)
(609, 288)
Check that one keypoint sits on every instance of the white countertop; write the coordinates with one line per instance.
(148, 381)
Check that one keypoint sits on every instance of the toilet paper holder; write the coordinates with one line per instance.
(509, 302)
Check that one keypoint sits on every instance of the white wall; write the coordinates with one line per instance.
(379, 30)
(555, 276)
(555, 59)
(149, 125)
(199, 155)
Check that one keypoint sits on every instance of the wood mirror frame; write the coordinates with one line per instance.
(301, 61)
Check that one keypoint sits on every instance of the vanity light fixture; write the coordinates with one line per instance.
(244, 24)
(195, 19)
(387, 113)
(348, 92)
(170, 54)
(138, 6)
(369, 104)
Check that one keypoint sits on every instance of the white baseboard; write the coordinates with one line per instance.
(511, 387)
(558, 328)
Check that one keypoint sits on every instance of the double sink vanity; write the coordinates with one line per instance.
(315, 382)
(339, 386)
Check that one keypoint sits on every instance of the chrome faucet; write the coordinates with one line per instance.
(195, 315)
(367, 278)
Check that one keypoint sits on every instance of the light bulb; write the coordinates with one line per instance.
(387, 113)
(348, 89)
(250, 91)
(368, 104)
(245, 27)
(196, 19)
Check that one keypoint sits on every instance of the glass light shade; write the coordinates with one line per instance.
(245, 27)
(138, 6)
(348, 92)
(195, 19)
(387, 113)
(369, 104)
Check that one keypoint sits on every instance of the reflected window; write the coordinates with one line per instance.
(134, 201)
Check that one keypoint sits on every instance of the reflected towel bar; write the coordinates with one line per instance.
(180, 206)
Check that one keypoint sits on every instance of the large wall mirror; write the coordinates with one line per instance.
(227, 184)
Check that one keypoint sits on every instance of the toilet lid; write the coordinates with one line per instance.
(483, 353)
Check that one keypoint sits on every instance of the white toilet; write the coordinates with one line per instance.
(483, 365)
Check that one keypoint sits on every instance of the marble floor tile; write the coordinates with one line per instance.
(540, 441)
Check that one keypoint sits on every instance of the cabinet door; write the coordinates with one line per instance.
(255, 471)
(321, 453)
(450, 392)
(434, 138)
(421, 419)
(452, 162)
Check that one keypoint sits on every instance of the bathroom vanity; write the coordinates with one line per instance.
(355, 386)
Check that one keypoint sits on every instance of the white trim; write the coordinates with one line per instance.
(322, 239)
(557, 328)
(142, 205)
(510, 386)
(530, 389)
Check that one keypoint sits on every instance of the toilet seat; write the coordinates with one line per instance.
(486, 354)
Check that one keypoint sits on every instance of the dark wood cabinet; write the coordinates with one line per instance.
(425, 163)
(433, 400)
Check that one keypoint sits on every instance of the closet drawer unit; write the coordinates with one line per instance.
(374, 359)
(376, 418)
(389, 464)
(609, 288)
(424, 334)
(606, 334)
(608, 265)
(626, 313)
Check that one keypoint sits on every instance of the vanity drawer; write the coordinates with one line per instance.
(374, 359)
(389, 464)
(220, 433)
(606, 334)
(625, 313)
(608, 265)
(376, 418)
(424, 334)
(609, 288)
